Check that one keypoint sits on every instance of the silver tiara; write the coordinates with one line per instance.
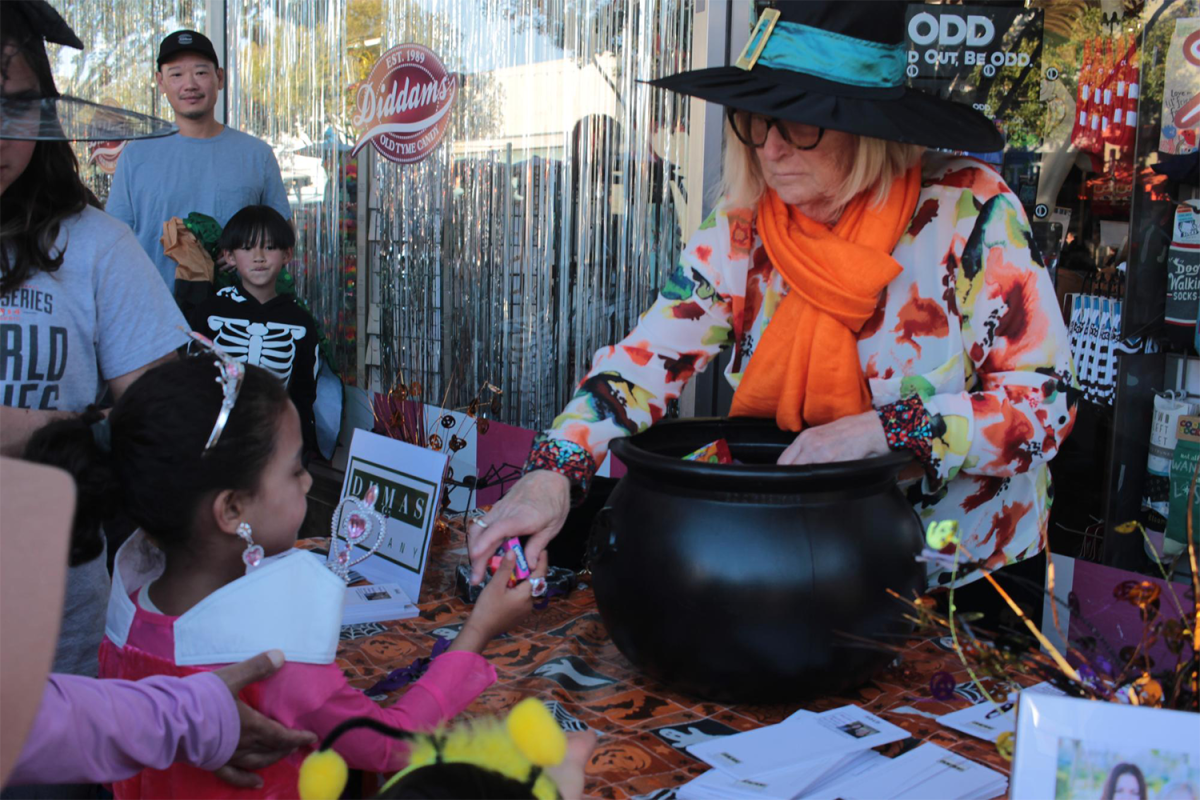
(355, 522)
(229, 375)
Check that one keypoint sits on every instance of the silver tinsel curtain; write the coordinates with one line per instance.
(288, 84)
(539, 229)
(116, 67)
(534, 235)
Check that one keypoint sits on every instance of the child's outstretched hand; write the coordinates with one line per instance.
(498, 608)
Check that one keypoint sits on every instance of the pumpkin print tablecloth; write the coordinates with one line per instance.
(564, 656)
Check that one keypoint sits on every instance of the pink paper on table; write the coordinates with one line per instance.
(1116, 620)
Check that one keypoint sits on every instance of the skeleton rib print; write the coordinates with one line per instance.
(270, 345)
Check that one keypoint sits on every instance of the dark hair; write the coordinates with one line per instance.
(34, 206)
(1110, 785)
(254, 226)
(456, 781)
(442, 780)
(159, 429)
(70, 445)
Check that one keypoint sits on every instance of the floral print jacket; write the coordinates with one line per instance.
(969, 335)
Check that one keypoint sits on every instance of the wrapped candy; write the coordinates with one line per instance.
(712, 453)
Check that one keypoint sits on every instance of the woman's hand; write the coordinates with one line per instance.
(846, 439)
(263, 741)
(499, 608)
(536, 507)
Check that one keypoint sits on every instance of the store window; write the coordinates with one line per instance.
(1093, 100)
(534, 234)
(116, 66)
(1113, 195)
(542, 224)
(289, 84)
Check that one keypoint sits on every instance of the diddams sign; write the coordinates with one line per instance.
(404, 105)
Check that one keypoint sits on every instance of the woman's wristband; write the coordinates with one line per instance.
(567, 459)
(907, 426)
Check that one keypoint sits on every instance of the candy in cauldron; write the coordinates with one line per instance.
(750, 582)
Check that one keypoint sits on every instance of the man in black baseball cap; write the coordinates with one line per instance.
(207, 167)
(191, 78)
(186, 42)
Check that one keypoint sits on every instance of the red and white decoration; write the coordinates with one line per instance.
(404, 105)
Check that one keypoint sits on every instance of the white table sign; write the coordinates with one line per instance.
(410, 489)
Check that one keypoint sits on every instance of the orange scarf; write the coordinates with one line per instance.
(805, 370)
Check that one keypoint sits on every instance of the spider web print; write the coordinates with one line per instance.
(270, 345)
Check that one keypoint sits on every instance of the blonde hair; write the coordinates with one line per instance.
(875, 163)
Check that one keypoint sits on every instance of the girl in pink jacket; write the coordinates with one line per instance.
(205, 455)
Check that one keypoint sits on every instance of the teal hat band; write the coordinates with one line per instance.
(833, 56)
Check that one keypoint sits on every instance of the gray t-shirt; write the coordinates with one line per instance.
(98, 316)
(173, 176)
(63, 334)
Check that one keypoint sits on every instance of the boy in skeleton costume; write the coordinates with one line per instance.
(255, 324)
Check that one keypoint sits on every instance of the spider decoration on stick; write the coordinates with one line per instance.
(407, 421)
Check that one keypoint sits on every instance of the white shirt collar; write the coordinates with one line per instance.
(293, 604)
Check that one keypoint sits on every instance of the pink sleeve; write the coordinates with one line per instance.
(90, 731)
(452, 682)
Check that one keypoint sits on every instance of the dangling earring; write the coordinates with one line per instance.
(253, 554)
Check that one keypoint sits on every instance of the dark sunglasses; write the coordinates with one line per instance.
(752, 129)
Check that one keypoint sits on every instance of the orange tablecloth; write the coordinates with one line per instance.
(564, 656)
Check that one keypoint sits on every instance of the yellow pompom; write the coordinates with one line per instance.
(323, 776)
(536, 734)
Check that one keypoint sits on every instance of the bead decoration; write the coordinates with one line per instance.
(908, 426)
(564, 457)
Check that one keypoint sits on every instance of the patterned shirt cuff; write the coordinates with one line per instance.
(566, 458)
(908, 426)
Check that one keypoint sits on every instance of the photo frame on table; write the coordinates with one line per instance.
(1068, 748)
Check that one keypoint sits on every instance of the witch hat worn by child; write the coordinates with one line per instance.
(487, 755)
(841, 66)
(53, 116)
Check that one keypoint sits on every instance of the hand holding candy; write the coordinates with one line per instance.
(500, 607)
(535, 507)
(520, 571)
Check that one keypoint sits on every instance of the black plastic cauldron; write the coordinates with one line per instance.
(749, 582)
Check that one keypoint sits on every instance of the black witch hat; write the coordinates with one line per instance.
(839, 65)
(44, 114)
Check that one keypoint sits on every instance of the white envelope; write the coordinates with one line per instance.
(828, 737)
(782, 784)
(986, 721)
(924, 773)
(961, 779)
